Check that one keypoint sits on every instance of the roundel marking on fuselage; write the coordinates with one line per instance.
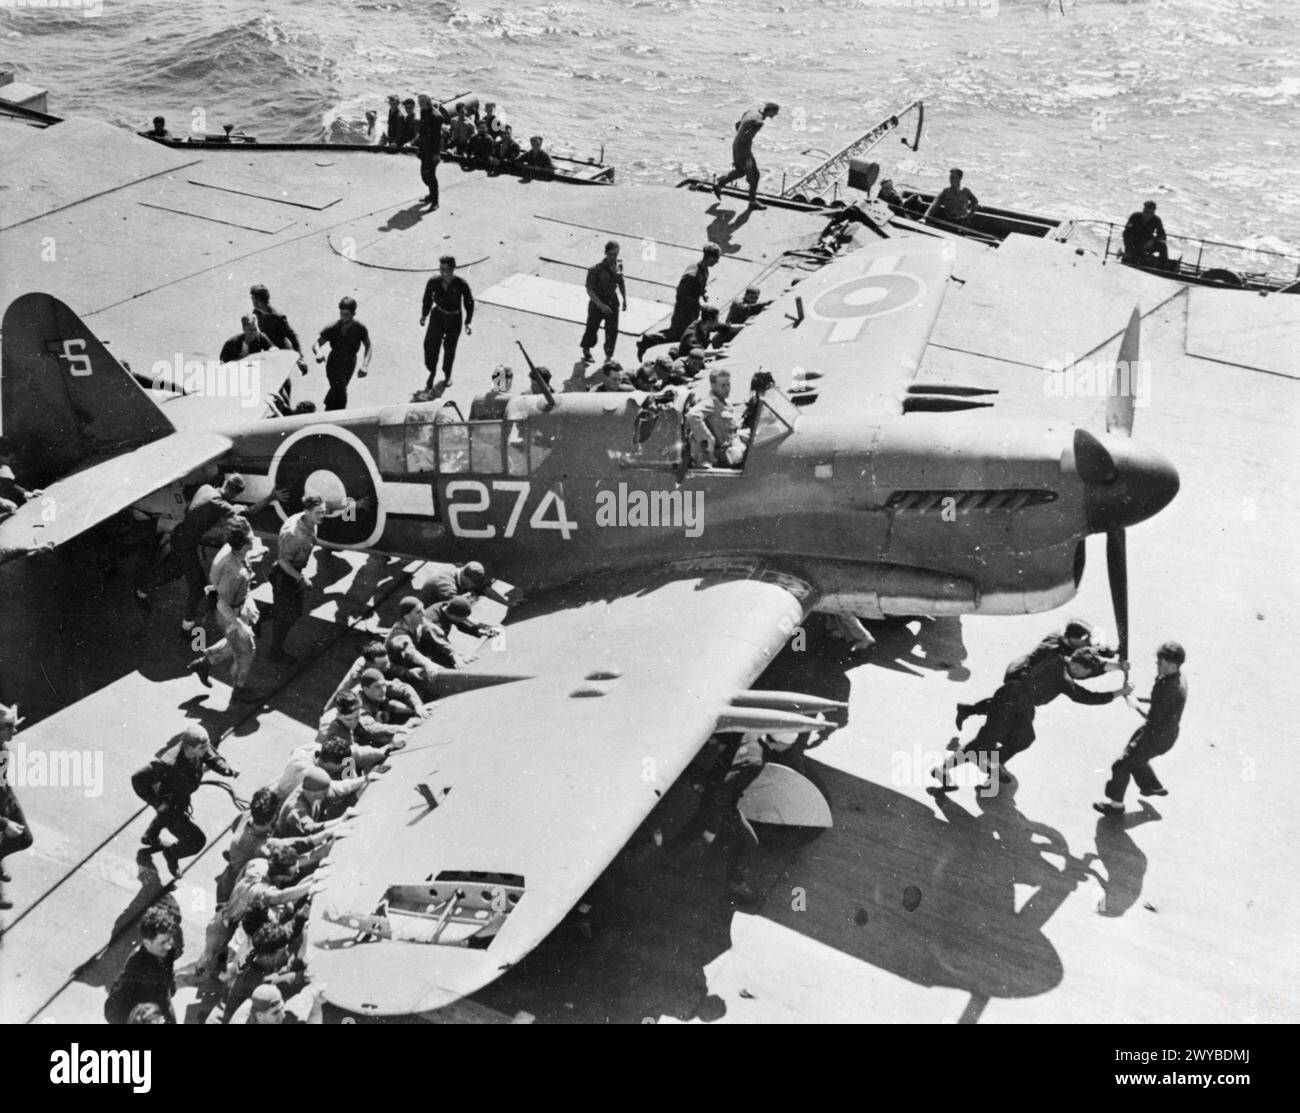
(852, 303)
(339, 452)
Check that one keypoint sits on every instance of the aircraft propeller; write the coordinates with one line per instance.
(1119, 421)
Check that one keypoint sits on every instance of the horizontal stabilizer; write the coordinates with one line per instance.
(74, 504)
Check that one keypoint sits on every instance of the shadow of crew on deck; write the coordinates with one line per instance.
(1125, 864)
(105, 965)
(404, 219)
(935, 645)
(724, 223)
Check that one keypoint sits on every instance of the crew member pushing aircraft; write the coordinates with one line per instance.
(1155, 737)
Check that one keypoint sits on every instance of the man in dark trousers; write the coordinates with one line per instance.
(1144, 237)
(604, 288)
(346, 337)
(692, 291)
(148, 976)
(1009, 727)
(742, 152)
(444, 296)
(167, 783)
(15, 835)
(429, 146)
(1155, 737)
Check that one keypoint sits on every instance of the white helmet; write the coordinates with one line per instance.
(502, 378)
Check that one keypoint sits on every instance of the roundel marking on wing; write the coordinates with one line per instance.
(853, 302)
(331, 457)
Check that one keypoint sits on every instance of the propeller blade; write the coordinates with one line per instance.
(1123, 392)
(1117, 570)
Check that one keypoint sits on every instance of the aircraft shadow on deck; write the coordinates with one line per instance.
(925, 892)
(928, 896)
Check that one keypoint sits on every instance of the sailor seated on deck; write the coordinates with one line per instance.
(461, 130)
(507, 149)
(392, 703)
(537, 160)
(1144, 238)
(159, 130)
(481, 150)
(954, 204)
(715, 435)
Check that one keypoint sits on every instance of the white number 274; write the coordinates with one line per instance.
(481, 502)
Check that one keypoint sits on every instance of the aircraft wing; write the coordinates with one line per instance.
(509, 803)
(85, 498)
(855, 330)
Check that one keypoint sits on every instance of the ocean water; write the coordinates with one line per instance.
(1074, 108)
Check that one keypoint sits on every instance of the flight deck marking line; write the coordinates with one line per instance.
(238, 258)
(217, 220)
(264, 196)
(583, 267)
(255, 709)
(102, 193)
(639, 237)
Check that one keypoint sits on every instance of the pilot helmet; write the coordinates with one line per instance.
(502, 378)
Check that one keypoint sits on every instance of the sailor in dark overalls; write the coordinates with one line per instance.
(168, 782)
(1155, 737)
(1009, 728)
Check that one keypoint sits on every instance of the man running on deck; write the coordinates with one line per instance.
(444, 295)
(742, 152)
(346, 337)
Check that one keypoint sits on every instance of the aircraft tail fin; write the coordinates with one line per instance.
(64, 400)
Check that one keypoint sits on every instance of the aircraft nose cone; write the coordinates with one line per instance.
(1140, 484)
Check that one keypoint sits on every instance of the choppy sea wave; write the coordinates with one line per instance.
(1081, 108)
